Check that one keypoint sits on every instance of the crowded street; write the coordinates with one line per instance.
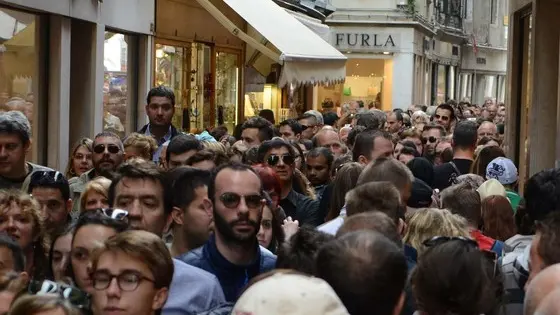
(274, 157)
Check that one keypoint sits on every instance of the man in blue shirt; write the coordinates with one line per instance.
(233, 253)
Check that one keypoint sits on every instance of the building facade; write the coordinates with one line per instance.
(75, 68)
(533, 85)
(78, 67)
(484, 60)
(399, 52)
(229, 59)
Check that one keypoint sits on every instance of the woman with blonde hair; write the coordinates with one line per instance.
(96, 194)
(427, 223)
(139, 145)
(80, 158)
(22, 220)
(216, 147)
(43, 304)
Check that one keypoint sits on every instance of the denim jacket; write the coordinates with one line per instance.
(233, 278)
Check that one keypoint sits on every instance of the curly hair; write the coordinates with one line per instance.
(427, 223)
(30, 208)
(144, 145)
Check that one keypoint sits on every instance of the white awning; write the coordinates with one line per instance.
(306, 57)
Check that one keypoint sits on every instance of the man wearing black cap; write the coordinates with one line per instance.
(420, 197)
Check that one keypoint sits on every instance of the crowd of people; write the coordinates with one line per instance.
(411, 211)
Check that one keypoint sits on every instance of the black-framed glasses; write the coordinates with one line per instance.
(438, 240)
(115, 214)
(231, 200)
(430, 139)
(112, 148)
(274, 159)
(441, 117)
(69, 293)
(127, 281)
(56, 176)
(304, 127)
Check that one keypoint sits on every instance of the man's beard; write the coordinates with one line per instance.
(226, 229)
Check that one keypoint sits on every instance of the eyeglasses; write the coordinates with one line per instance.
(127, 281)
(112, 148)
(441, 117)
(115, 214)
(71, 294)
(232, 200)
(273, 160)
(431, 139)
(438, 240)
(54, 175)
(304, 127)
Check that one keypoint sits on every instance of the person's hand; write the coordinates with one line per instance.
(240, 147)
(290, 227)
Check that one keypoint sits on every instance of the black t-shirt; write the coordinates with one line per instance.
(446, 174)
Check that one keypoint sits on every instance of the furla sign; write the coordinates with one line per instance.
(366, 41)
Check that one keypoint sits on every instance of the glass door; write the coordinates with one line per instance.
(170, 70)
(227, 89)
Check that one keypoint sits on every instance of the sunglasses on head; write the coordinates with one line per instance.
(75, 296)
(438, 240)
(273, 160)
(112, 148)
(115, 214)
(232, 200)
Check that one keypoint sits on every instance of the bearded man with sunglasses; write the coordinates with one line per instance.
(233, 253)
(108, 154)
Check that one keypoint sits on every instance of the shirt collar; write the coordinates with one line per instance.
(165, 138)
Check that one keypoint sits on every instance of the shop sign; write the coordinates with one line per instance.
(366, 41)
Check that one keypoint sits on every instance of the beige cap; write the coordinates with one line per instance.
(491, 187)
(292, 294)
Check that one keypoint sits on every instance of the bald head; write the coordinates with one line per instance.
(540, 287)
(487, 129)
(550, 304)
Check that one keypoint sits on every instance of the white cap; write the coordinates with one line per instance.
(503, 170)
(293, 294)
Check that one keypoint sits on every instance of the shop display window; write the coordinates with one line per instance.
(367, 80)
(18, 67)
(170, 65)
(227, 81)
(116, 83)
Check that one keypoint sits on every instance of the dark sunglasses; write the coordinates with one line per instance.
(231, 200)
(431, 139)
(75, 296)
(273, 160)
(304, 127)
(438, 240)
(112, 148)
(441, 117)
(115, 214)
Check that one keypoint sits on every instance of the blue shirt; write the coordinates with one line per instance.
(192, 291)
(161, 141)
(233, 278)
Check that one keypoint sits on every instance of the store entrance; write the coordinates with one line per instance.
(205, 80)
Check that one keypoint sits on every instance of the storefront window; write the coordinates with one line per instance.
(201, 87)
(441, 82)
(18, 63)
(170, 71)
(367, 80)
(227, 78)
(115, 87)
